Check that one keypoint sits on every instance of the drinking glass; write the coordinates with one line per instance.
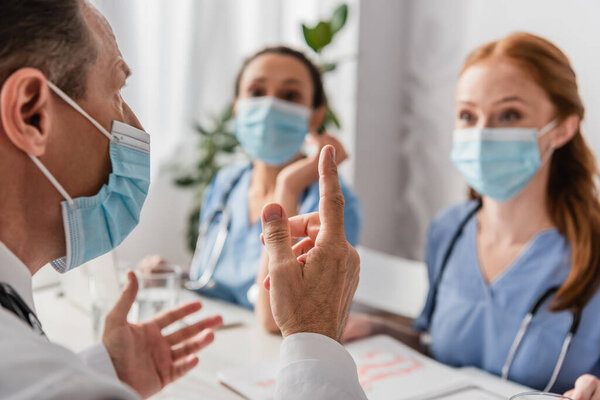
(158, 291)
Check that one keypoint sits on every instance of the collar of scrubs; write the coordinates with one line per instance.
(16, 274)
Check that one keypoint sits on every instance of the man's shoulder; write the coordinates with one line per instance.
(32, 367)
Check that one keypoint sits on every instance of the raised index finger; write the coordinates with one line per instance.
(331, 203)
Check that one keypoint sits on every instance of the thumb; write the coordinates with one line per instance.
(119, 312)
(276, 233)
(578, 394)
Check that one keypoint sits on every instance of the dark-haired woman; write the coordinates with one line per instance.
(279, 103)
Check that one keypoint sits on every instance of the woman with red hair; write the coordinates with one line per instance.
(514, 272)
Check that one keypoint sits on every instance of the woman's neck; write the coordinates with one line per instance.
(264, 178)
(518, 220)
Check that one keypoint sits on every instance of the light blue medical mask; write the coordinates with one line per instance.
(271, 130)
(97, 224)
(498, 162)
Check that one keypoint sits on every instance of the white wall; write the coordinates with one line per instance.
(410, 54)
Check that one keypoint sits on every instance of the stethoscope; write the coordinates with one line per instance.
(205, 281)
(11, 301)
(526, 321)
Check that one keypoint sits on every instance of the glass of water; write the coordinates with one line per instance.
(539, 396)
(158, 291)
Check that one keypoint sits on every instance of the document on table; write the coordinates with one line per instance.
(387, 369)
(254, 382)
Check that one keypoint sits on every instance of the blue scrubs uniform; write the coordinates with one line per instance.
(475, 323)
(239, 262)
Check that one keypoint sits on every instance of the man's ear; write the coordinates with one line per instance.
(24, 116)
(317, 118)
(565, 131)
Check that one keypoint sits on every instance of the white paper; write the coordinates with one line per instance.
(390, 370)
(387, 370)
(255, 382)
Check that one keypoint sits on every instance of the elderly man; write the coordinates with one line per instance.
(74, 174)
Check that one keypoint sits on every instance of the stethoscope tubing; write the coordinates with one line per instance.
(205, 281)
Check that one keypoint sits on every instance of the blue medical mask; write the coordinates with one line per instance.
(498, 162)
(271, 130)
(97, 224)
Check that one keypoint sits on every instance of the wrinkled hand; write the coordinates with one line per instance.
(145, 359)
(299, 175)
(312, 283)
(587, 387)
(359, 326)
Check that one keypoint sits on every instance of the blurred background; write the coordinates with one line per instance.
(392, 91)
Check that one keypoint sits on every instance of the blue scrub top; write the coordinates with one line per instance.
(239, 262)
(475, 323)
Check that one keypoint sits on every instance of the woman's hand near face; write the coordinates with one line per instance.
(587, 387)
(323, 140)
(299, 175)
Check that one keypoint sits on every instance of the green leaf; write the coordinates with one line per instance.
(187, 180)
(328, 67)
(339, 18)
(318, 37)
(227, 113)
(331, 118)
(200, 129)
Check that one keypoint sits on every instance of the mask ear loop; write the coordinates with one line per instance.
(52, 179)
(551, 125)
(77, 108)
